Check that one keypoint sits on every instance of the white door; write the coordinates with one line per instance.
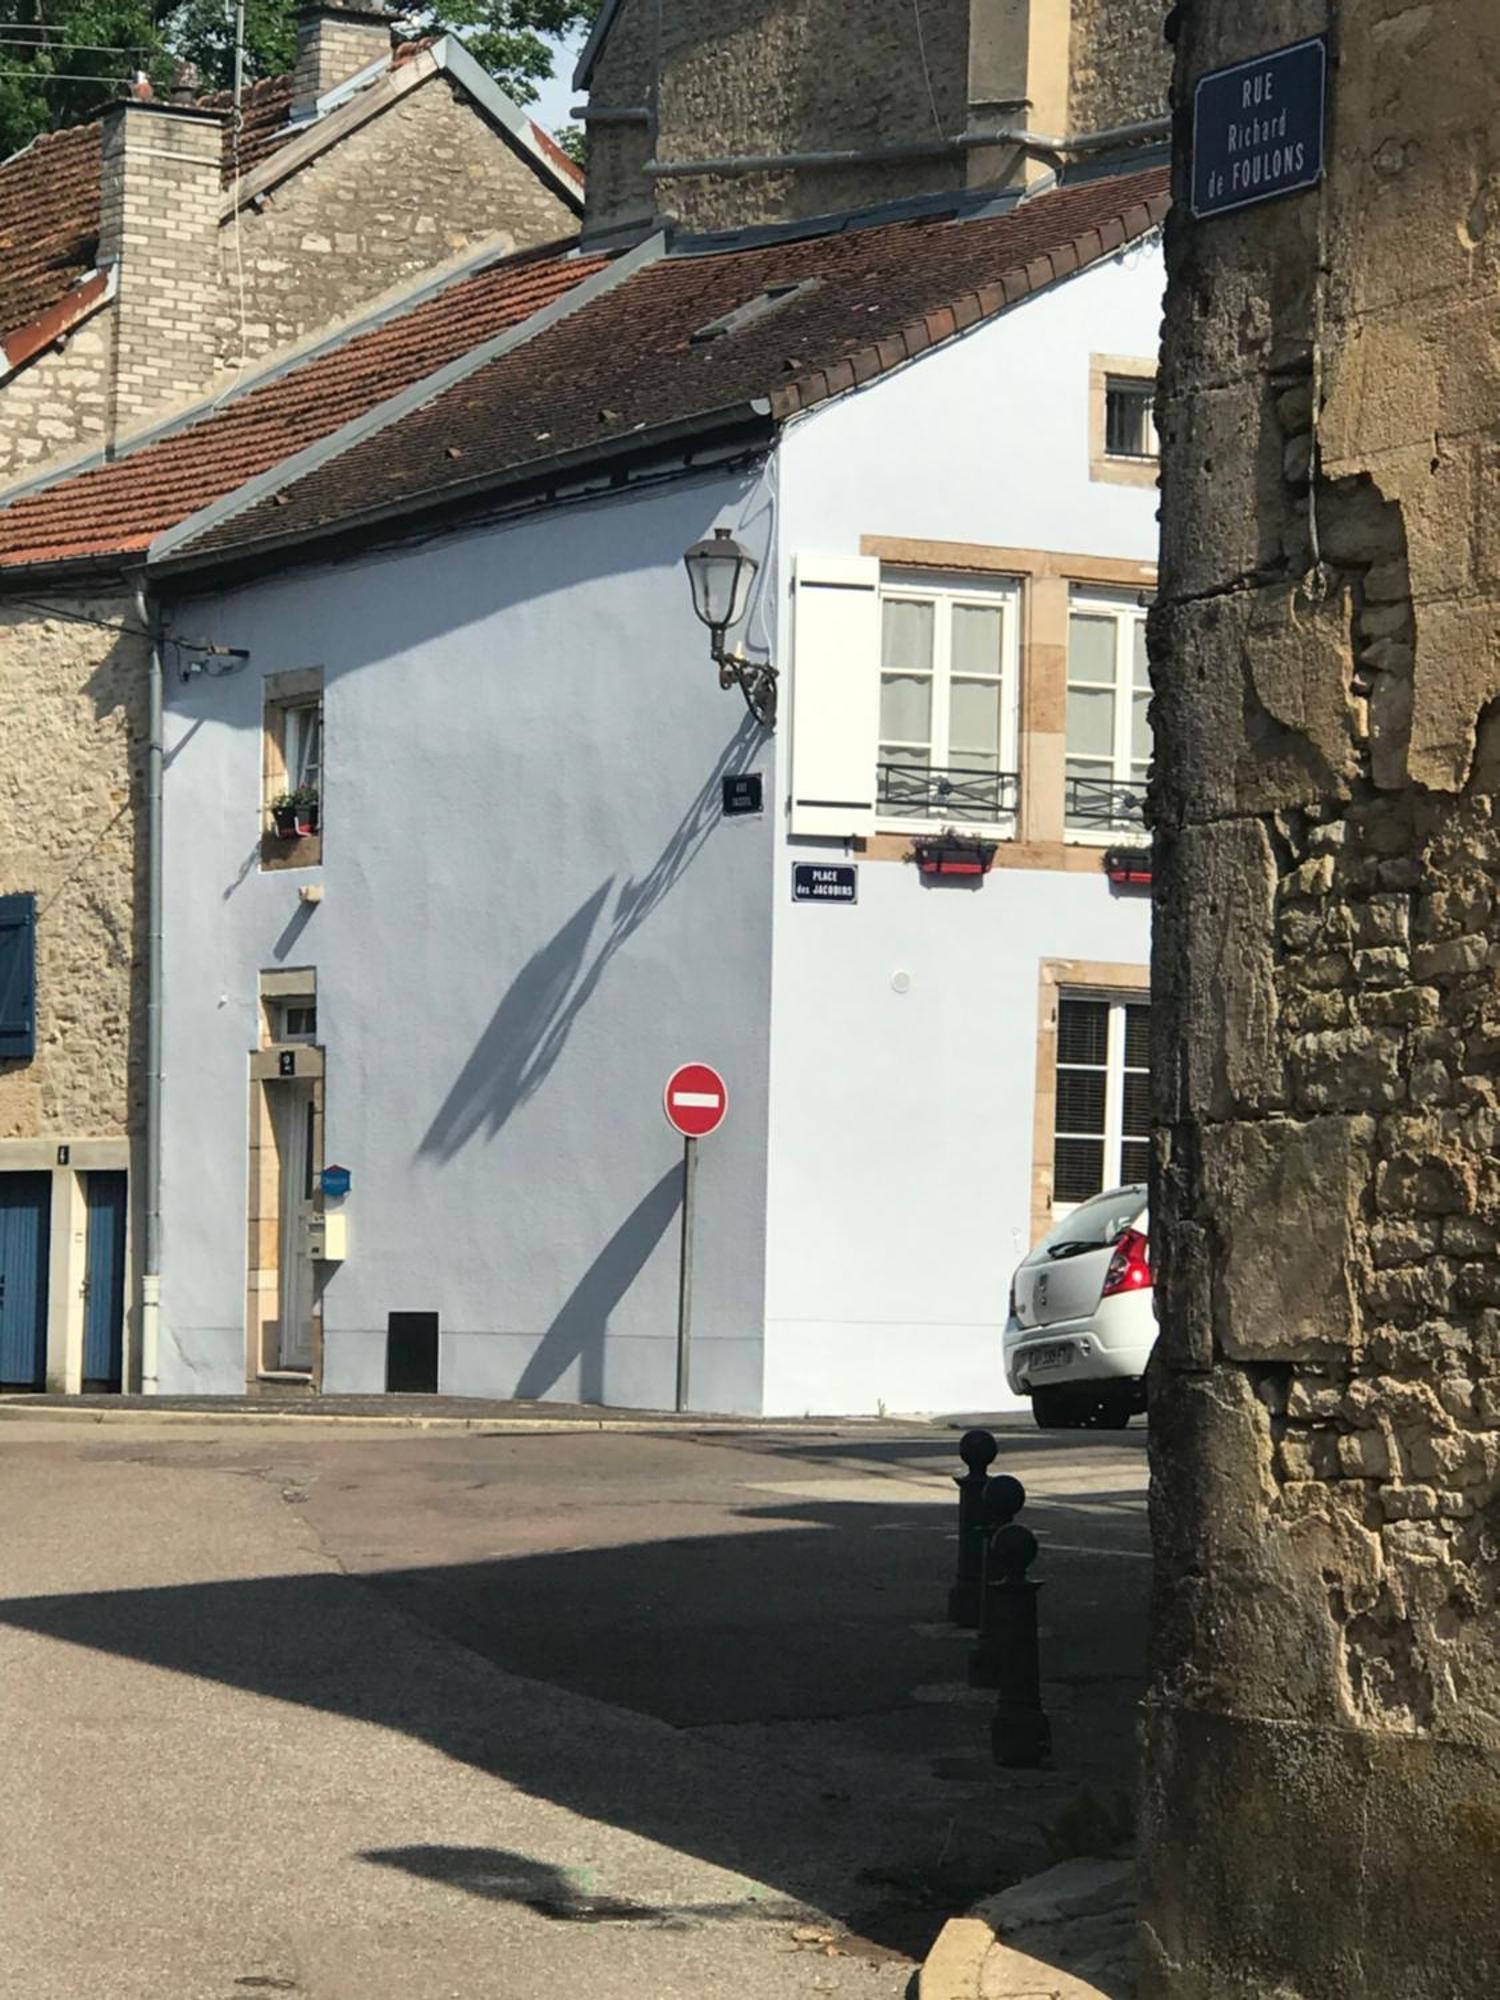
(292, 1117)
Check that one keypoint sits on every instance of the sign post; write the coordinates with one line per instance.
(695, 1101)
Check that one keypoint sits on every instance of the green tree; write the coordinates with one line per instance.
(62, 61)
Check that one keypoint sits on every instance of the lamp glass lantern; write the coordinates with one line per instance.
(721, 572)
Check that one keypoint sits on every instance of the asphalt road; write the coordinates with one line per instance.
(357, 1712)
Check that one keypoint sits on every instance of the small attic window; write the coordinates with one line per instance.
(739, 317)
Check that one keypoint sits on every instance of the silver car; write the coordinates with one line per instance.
(1082, 1323)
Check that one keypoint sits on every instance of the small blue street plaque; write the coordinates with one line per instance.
(1258, 128)
(825, 882)
(336, 1182)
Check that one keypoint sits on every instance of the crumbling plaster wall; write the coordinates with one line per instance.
(1121, 65)
(1322, 1800)
(74, 700)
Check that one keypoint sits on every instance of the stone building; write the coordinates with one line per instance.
(146, 262)
(1323, 1736)
(146, 259)
(775, 109)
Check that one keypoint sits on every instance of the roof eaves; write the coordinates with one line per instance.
(81, 302)
(394, 408)
(593, 48)
(750, 424)
(969, 309)
(502, 109)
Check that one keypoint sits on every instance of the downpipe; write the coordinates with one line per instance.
(150, 617)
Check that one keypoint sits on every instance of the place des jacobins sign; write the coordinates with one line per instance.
(1258, 128)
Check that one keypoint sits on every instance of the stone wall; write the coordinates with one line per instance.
(1322, 1795)
(402, 194)
(1121, 65)
(60, 401)
(794, 76)
(74, 699)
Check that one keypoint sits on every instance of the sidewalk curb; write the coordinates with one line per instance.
(953, 1967)
(494, 1426)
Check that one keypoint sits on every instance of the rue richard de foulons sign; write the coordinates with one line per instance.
(1258, 128)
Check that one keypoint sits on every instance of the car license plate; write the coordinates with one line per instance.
(1049, 1357)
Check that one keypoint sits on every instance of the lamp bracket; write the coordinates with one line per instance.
(755, 679)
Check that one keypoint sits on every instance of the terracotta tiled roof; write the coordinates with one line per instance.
(624, 363)
(564, 162)
(118, 508)
(49, 199)
(49, 221)
(627, 361)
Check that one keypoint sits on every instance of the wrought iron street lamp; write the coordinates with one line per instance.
(721, 572)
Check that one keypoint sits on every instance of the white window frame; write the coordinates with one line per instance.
(294, 725)
(1115, 1067)
(944, 590)
(1128, 612)
(1140, 391)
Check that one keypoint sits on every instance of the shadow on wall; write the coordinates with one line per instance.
(578, 1332)
(531, 1025)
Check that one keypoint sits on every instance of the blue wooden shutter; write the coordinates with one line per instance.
(17, 978)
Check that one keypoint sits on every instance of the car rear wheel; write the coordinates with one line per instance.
(1056, 1410)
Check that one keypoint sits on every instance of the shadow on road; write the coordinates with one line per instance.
(678, 1632)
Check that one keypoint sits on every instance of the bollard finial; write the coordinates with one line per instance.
(1004, 1498)
(978, 1449)
(1013, 1549)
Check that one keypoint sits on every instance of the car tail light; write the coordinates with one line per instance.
(1130, 1267)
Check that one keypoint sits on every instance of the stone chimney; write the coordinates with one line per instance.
(158, 227)
(334, 43)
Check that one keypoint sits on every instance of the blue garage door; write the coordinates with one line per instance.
(104, 1297)
(25, 1215)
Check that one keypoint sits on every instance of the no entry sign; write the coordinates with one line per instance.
(695, 1100)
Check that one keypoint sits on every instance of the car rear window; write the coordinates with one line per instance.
(1094, 1223)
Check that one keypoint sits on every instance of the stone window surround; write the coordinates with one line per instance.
(1047, 578)
(263, 1180)
(1055, 975)
(1105, 466)
(282, 692)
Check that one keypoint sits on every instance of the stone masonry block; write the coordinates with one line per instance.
(1284, 1199)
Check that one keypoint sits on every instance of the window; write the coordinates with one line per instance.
(947, 750)
(1123, 446)
(17, 978)
(1103, 1123)
(304, 746)
(1108, 731)
(292, 770)
(295, 1021)
(1129, 418)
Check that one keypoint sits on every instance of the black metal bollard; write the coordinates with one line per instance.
(1002, 1500)
(1020, 1734)
(977, 1449)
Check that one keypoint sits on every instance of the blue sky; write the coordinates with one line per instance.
(556, 97)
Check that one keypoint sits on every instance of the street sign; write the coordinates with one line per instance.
(1258, 128)
(695, 1100)
(825, 882)
(744, 793)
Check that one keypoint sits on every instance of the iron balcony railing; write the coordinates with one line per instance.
(1100, 805)
(951, 795)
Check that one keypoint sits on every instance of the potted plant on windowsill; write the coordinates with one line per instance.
(294, 813)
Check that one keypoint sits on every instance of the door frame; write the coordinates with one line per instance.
(280, 1062)
(67, 1160)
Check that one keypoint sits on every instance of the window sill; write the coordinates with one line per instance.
(979, 829)
(1107, 836)
(301, 851)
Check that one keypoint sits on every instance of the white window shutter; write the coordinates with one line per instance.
(835, 695)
